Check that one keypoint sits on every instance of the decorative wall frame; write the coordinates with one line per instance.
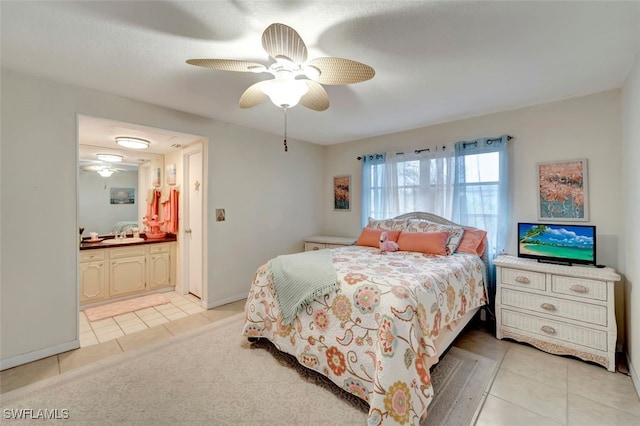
(170, 174)
(563, 191)
(342, 193)
(122, 195)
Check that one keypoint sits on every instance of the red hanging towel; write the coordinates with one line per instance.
(170, 212)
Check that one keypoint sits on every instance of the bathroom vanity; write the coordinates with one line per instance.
(110, 270)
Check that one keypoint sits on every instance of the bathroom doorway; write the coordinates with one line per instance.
(166, 147)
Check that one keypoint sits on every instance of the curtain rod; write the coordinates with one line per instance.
(418, 151)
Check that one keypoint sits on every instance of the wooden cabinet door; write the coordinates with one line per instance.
(127, 275)
(159, 273)
(92, 281)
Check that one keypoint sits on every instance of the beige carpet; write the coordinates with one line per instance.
(125, 306)
(212, 376)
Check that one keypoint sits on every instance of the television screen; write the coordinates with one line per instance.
(565, 244)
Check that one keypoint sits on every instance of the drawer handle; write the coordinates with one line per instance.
(579, 288)
(522, 279)
(548, 307)
(316, 248)
(548, 329)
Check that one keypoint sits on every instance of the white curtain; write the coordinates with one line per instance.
(398, 183)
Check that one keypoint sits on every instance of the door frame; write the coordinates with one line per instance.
(200, 146)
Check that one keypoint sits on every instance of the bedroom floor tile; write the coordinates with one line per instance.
(497, 412)
(26, 374)
(537, 365)
(597, 384)
(536, 396)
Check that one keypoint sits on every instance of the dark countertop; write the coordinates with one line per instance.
(92, 246)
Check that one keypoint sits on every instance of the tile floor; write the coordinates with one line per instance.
(536, 388)
(530, 388)
(93, 332)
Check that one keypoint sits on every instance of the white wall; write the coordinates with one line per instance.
(270, 197)
(585, 127)
(95, 211)
(631, 211)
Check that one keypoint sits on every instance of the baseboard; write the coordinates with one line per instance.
(634, 377)
(39, 354)
(215, 303)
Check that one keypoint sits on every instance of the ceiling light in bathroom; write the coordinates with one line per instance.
(112, 158)
(105, 172)
(133, 143)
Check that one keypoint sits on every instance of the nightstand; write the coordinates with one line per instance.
(322, 241)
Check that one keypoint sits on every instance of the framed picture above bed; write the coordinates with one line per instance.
(342, 193)
(563, 191)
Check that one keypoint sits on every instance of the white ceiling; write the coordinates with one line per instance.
(435, 61)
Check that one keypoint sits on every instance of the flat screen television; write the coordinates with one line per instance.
(552, 243)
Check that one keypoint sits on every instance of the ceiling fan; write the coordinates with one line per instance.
(296, 79)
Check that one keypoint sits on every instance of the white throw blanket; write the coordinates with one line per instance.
(299, 278)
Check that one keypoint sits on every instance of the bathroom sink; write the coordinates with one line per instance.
(114, 241)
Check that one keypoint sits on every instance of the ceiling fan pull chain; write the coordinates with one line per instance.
(285, 130)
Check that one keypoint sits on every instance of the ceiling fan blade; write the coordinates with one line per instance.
(316, 98)
(253, 96)
(280, 40)
(227, 65)
(338, 71)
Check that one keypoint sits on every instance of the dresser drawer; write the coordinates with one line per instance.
(525, 279)
(586, 312)
(132, 251)
(159, 248)
(314, 246)
(579, 287)
(91, 255)
(546, 329)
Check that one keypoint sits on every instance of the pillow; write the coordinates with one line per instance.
(455, 232)
(371, 237)
(472, 240)
(424, 242)
(482, 246)
(393, 224)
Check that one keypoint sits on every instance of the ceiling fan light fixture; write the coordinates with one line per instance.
(257, 69)
(105, 172)
(285, 93)
(111, 158)
(311, 72)
(133, 143)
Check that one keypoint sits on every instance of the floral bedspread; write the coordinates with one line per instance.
(376, 336)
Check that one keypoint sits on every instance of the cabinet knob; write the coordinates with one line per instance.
(522, 279)
(548, 307)
(579, 288)
(548, 329)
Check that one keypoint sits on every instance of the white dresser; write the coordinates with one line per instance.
(322, 241)
(566, 310)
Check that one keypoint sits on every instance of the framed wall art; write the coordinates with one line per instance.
(341, 193)
(563, 191)
(122, 195)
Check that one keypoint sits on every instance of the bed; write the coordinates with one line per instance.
(387, 322)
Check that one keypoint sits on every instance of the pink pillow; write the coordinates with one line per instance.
(370, 237)
(473, 241)
(424, 242)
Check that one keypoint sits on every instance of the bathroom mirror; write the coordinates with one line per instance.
(112, 195)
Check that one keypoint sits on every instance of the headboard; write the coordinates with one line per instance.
(430, 217)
